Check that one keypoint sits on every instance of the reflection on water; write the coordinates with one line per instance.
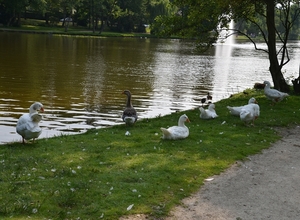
(79, 80)
(223, 57)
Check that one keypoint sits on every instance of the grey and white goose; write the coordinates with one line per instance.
(129, 115)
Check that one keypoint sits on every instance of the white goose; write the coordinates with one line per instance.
(273, 94)
(177, 132)
(28, 124)
(237, 110)
(208, 113)
(129, 115)
(250, 113)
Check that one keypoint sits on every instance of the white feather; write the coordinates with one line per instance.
(250, 113)
(237, 110)
(28, 124)
(273, 94)
(208, 113)
(177, 132)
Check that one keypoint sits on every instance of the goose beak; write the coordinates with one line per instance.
(188, 120)
(42, 109)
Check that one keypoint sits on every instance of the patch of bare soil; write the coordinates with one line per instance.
(267, 186)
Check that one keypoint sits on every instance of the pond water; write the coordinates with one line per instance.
(79, 80)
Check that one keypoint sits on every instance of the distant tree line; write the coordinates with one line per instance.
(251, 28)
(118, 15)
(124, 15)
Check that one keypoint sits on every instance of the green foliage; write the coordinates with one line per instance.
(101, 173)
(251, 18)
(200, 20)
(121, 15)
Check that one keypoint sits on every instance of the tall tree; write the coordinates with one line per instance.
(203, 20)
(12, 10)
(67, 7)
(198, 19)
(135, 14)
(279, 17)
(52, 12)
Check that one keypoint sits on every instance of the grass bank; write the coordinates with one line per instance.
(39, 26)
(104, 174)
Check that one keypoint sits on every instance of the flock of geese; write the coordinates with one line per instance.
(28, 124)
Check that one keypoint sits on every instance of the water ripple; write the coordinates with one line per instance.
(84, 91)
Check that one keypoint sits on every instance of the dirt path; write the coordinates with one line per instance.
(267, 186)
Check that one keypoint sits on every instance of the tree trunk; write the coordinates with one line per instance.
(18, 23)
(296, 83)
(102, 25)
(275, 68)
(67, 25)
(47, 18)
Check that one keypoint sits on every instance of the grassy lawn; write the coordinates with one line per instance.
(104, 174)
(38, 26)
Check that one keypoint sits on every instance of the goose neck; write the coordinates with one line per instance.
(128, 104)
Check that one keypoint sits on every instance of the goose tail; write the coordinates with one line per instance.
(203, 113)
(166, 133)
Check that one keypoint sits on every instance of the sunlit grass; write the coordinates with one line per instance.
(39, 26)
(101, 173)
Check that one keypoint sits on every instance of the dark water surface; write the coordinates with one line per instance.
(79, 80)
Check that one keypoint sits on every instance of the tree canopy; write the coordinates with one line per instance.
(119, 15)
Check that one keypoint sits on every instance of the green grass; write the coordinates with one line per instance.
(102, 172)
(39, 26)
(73, 31)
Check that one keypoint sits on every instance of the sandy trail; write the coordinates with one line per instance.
(267, 186)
